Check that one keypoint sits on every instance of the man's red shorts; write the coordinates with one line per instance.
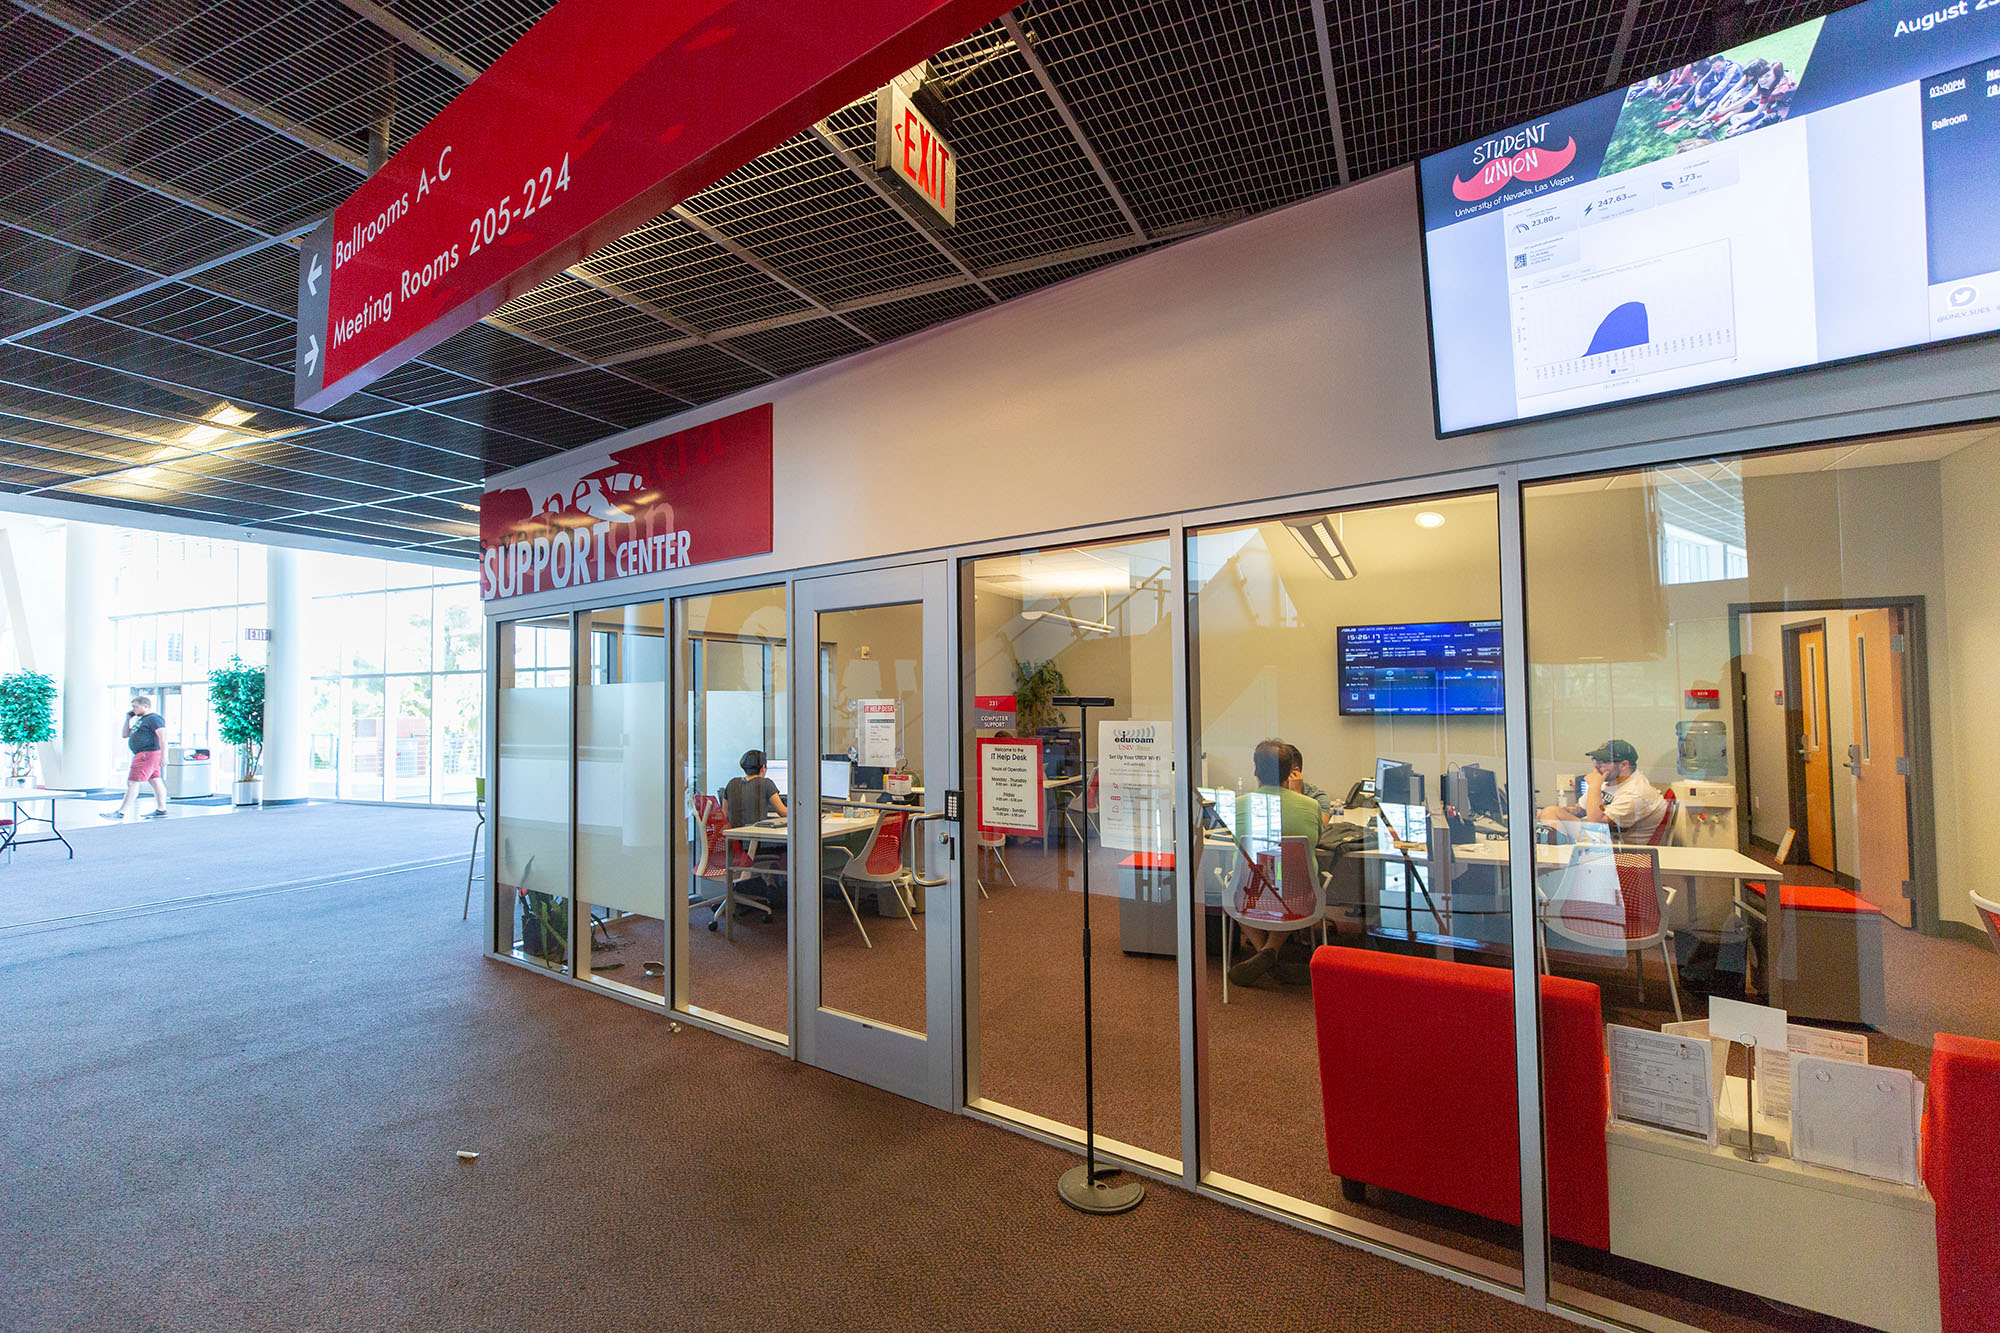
(145, 765)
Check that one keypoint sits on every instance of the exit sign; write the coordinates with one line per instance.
(257, 635)
(917, 159)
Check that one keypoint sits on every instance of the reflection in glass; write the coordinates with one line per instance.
(730, 667)
(871, 943)
(531, 866)
(1093, 620)
(1777, 664)
(621, 798)
(1341, 658)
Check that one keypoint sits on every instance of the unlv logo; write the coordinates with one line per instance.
(1531, 164)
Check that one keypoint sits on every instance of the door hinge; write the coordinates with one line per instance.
(1910, 890)
(1902, 765)
(1897, 643)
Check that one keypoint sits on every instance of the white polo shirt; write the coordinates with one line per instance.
(1635, 806)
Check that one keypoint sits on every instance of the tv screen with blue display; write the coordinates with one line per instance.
(1440, 668)
(1823, 193)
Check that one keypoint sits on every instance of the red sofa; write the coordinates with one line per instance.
(1962, 1169)
(1416, 1060)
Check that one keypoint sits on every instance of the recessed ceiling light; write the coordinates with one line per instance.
(229, 415)
(1429, 518)
(202, 434)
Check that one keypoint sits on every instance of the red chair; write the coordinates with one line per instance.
(1416, 1059)
(879, 864)
(1829, 964)
(1964, 1097)
(723, 863)
(1989, 912)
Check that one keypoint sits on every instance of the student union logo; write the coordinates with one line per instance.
(1533, 163)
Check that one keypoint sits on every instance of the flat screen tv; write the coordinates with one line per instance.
(1440, 668)
(1823, 193)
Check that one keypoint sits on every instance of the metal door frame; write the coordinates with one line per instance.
(924, 1068)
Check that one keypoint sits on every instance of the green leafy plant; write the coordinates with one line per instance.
(27, 717)
(1036, 684)
(236, 693)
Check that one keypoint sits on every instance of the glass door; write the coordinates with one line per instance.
(875, 996)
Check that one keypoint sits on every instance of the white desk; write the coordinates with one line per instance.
(1830, 1241)
(830, 826)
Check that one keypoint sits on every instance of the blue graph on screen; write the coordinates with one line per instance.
(1623, 327)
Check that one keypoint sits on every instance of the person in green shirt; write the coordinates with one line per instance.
(1263, 816)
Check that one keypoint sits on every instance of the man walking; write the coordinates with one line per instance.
(142, 734)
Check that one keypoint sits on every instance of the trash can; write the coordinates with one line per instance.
(187, 772)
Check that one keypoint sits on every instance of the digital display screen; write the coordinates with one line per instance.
(1819, 194)
(1443, 668)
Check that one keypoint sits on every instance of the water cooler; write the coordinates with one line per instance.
(1707, 814)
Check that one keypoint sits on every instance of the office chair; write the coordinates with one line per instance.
(1613, 896)
(996, 843)
(1665, 828)
(717, 860)
(879, 864)
(478, 841)
(1088, 802)
(1273, 889)
(1989, 912)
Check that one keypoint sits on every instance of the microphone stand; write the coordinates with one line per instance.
(1087, 1188)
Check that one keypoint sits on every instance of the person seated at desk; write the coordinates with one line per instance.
(748, 799)
(1297, 782)
(1615, 792)
(1257, 831)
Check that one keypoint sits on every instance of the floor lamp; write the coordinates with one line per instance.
(1087, 1188)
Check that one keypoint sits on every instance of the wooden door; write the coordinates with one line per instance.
(1879, 760)
(1812, 748)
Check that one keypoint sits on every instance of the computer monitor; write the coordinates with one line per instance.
(868, 777)
(834, 776)
(1398, 784)
(1482, 792)
(1218, 808)
(780, 772)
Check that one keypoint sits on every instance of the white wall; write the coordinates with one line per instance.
(1284, 355)
(1287, 355)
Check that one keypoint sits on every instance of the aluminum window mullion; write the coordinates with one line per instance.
(1191, 926)
(1521, 877)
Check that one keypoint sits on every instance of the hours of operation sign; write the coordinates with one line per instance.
(1010, 787)
(602, 116)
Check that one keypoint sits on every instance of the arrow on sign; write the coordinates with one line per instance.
(312, 277)
(312, 350)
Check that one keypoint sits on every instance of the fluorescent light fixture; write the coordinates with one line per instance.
(1322, 543)
(229, 415)
(200, 435)
(1088, 626)
(1429, 518)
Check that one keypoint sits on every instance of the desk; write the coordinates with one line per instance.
(17, 797)
(1841, 1244)
(830, 826)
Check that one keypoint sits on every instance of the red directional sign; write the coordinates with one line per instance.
(602, 116)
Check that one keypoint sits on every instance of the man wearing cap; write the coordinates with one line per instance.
(1615, 792)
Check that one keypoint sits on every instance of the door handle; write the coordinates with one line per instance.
(1853, 763)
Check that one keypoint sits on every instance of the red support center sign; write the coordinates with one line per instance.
(602, 116)
(660, 504)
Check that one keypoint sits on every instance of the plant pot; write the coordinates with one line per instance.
(250, 792)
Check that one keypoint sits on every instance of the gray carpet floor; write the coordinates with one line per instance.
(242, 1112)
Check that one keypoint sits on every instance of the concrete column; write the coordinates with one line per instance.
(287, 686)
(85, 751)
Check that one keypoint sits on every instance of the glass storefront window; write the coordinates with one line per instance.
(408, 626)
(621, 799)
(531, 836)
(1747, 673)
(362, 743)
(1093, 619)
(729, 689)
(1350, 766)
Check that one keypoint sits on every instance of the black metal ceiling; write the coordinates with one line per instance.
(157, 156)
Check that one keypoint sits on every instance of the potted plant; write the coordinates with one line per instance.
(27, 718)
(236, 693)
(1035, 685)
